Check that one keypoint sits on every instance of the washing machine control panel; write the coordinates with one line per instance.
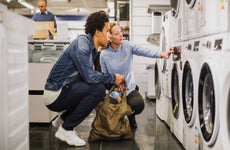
(218, 44)
(177, 53)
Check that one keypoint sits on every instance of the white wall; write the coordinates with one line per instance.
(159, 2)
(74, 28)
(140, 28)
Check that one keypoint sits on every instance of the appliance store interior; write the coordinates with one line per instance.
(186, 96)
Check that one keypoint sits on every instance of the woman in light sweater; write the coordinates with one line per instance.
(118, 58)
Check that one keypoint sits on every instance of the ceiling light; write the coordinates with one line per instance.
(26, 4)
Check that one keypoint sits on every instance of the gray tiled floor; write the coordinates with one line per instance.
(151, 134)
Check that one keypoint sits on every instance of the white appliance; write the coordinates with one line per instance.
(192, 63)
(151, 92)
(222, 54)
(225, 113)
(194, 18)
(225, 104)
(161, 73)
(209, 91)
(176, 97)
(14, 127)
(177, 20)
(174, 117)
(165, 44)
(204, 17)
(157, 79)
(216, 16)
(42, 56)
(225, 93)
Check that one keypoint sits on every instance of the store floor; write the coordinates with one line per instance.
(151, 134)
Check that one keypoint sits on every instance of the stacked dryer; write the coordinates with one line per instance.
(206, 36)
(177, 40)
(161, 71)
(192, 62)
(212, 72)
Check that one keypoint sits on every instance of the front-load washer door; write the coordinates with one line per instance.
(157, 82)
(187, 93)
(175, 7)
(206, 103)
(175, 91)
(190, 3)
(164, 65)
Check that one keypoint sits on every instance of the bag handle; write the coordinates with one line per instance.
(111, 90)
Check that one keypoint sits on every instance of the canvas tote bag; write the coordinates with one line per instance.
(110, 122)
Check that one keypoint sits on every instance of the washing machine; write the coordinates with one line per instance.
(225, 112)
(166, 79)
(176, 97)
(210, 91)
(161, 68)
(193, 18)
(157, 78)
(216, 17)
(177, 21)
(225, 105)
(224, 101)
(192, 62)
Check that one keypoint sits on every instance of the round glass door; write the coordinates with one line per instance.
(164, 67)
(206, 103)
(157, 83)
(190, 3)
(175, 92)
(175, 5)
(187, 93)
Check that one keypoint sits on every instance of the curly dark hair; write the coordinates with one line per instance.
(96, 21)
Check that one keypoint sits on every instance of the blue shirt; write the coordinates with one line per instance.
(76, 63)
(47, 16)
(121, 60)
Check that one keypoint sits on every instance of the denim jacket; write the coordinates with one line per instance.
(76, 64)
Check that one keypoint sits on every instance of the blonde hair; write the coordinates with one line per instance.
(112, 24)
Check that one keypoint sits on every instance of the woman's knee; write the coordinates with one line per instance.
(137, 105)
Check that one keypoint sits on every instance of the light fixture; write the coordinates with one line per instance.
(26, 4)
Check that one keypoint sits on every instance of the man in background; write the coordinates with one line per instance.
(44, 14)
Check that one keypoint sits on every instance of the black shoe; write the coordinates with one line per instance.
(132, 122)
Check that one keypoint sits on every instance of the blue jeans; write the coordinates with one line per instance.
(77, 100)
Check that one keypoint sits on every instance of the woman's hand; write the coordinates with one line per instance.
(167, 54)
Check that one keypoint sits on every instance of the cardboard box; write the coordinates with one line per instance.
(44, 30)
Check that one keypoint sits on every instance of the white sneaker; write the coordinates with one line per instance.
(57, 122)
(69, 136)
